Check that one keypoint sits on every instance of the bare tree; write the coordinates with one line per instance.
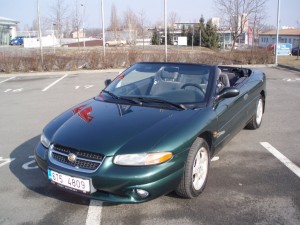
(173, 18)
(76, 21)
(130, 22)
(142, 21)
(258, 18)
(59, 16)
(114, 21)
(237, 13)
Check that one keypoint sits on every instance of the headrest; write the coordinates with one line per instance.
(169, 76)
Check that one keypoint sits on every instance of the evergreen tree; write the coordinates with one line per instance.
(183, 31)
(190, 35)
(169, 38)
(212, 36)
(155, 37)
(202, 29)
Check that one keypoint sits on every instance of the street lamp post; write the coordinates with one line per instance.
(53, 37)
(277, 33)
(298, 40)
(83, 24)
(103, 29)
(166, 34)
(40, 33)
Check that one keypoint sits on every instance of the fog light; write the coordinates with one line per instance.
(142, 193)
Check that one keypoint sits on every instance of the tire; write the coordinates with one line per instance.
(256, 119)
(196, 170)
(106, 45)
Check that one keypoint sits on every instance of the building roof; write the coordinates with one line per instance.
(289, 32)
(8, 21)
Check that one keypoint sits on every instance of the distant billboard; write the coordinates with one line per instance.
(182, 41)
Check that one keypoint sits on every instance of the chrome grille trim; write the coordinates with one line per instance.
(58, 155)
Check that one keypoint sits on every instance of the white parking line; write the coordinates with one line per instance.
(94, 213)
(55, 82)
(7, 80)
(288, 163)
(5, 161)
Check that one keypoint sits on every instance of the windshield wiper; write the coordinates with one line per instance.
(160, 101)
(132, 100)
(111, 94)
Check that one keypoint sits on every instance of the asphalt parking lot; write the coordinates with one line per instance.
(255, 179)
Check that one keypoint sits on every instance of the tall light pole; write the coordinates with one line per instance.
(277, 32)
(83, 24)
(53, 37)
(103, 29)
(40, 33)
(166, 33)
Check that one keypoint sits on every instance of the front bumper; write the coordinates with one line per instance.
(115, 183)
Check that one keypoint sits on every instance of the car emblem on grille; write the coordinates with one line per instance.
(72, 157)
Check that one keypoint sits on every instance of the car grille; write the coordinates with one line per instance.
(85, 161)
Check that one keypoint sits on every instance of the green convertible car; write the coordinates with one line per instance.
(152, 130)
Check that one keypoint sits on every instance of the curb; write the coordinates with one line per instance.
(52, 73)
(289, 67)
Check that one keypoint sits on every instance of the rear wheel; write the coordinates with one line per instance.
(256, 120)
(195, 174)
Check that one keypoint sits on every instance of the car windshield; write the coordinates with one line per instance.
(166, 83)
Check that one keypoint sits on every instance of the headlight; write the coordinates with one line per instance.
(45, 141)
(144, 159)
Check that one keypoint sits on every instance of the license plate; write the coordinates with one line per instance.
(71, 183)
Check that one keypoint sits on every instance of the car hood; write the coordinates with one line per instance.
(110, 128)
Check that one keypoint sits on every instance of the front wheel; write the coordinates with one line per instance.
(256, 120)
(195, 174)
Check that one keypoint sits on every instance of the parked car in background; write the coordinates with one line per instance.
(296, 51)
(19, 40)
(115, 43)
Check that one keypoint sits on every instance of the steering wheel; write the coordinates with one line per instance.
(193, 85)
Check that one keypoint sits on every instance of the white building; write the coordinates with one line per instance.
(8, 29)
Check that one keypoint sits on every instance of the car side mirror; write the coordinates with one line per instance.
(107, 82)
(228, 92)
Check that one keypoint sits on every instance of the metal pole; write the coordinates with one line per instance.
(53, 37)
(200, 37)
(166, 34)
(83, 24)
(298, 41)
(103, 29)
(193, 37)
(40, 34)
(277, 32)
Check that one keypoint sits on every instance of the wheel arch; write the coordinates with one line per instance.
(208, 137)
(263, 94)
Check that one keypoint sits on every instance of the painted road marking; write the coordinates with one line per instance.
(5, 161)
(94, 213)
(288, 163)
(85, 86)
(7, 80)
(55, 82)
(27, 166)
(15, 90)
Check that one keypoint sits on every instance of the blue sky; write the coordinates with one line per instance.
(188, 10)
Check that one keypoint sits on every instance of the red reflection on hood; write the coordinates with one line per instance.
(120, 77)
(85, 114)
(77, 109)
